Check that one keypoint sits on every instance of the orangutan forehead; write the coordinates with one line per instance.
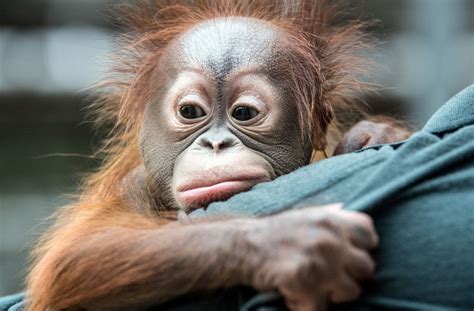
(224, 46)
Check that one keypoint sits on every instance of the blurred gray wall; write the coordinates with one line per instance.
(52, 50)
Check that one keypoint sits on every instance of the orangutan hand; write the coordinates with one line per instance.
(369, 133)
(311, 256)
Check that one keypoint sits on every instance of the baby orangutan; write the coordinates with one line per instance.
(214, 97)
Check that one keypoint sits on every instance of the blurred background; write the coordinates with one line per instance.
(52, 50)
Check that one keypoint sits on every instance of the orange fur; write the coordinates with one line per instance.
(325, 73)
(330, 52)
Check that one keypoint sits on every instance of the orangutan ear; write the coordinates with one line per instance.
(321, 121)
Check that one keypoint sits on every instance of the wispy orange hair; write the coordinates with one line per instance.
(329, 61)
(329, 49)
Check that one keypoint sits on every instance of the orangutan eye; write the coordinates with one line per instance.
(244, 113)
(191, 112)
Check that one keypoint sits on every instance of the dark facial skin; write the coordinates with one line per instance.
(222, 119)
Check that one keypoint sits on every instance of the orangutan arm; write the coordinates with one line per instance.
(115, 265)
(112, 263)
